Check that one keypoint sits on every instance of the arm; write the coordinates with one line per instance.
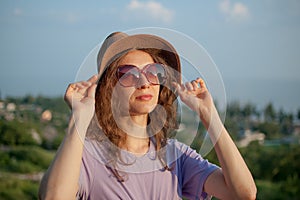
(61, 179)
(234, 181)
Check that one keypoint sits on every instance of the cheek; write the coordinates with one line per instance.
(121, 97)
(123, 93)
(156, 93)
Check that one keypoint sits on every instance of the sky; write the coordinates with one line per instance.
(254, 44)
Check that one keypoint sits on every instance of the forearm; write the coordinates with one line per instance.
(61, 179)
(237, 176)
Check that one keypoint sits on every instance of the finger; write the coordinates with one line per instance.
(86, 83)
(91, 91)
(195, 84)
(68, 95)
(202, 84)
(189, 86)
(178, 88)
(71, 86)
(81, 85)
(93, 79)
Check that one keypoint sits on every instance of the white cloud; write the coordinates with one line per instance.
(234, 11)
(150, 9)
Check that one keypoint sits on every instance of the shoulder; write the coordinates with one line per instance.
(186, 157)
(181, 149)
(191, 168)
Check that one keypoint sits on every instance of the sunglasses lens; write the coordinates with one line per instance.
(129, 75)
(155, 73)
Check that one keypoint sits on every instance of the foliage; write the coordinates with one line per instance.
(269, 112)
(269, 190)
(16, 133)
(270, 129)
(25, 159)
(277, 165)
(12, 188)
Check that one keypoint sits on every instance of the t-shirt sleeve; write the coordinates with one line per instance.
(194, 171)
(86, 176)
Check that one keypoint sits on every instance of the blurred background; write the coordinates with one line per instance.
(254, 44)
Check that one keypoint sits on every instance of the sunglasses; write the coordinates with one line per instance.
(129, 75)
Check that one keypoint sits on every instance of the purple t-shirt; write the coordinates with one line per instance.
(144, 176)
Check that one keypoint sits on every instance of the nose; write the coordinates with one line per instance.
(142, 82)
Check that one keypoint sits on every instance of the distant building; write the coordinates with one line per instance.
(9, 116)
(296, 131)
(249, 137)
(2, 105)
(46, 115)
(11, 107)
(49, 133)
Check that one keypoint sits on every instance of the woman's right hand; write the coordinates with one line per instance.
(80, 97)
(64, 172)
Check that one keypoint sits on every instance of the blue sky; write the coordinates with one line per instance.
(255, 44)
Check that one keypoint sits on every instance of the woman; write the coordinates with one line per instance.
(118, 142)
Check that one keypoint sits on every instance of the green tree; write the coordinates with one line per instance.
(269, 112)
(234, 109)
(247, 111)
(16, 133)
(271, 129)
(28, 99)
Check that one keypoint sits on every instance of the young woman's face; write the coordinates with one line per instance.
(143, 96)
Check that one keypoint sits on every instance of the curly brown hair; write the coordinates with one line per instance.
(167, 99)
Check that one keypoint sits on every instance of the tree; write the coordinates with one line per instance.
(234, 109)
(248, 110)
(16, 133)
(269, 112)
(271, 129)
(28, 99)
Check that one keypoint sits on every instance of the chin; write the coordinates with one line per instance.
(142, 110)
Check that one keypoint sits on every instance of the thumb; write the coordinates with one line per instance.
(91, 91)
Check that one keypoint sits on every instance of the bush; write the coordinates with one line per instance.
(278, 167)
(16, 133)
(12, 188)
(23, 159)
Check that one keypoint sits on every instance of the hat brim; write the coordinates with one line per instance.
(138, 41)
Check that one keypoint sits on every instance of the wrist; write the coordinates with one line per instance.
(211, 119)
(78, 125)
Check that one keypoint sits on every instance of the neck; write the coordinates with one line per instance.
(138, 146)
(140, 120)
(137, 139)
(135, 126)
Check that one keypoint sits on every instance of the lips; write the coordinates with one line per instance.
(144, 97)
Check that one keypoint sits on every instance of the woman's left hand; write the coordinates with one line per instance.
(234, 181)
(196, 96)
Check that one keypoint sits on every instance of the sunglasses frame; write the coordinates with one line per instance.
(140, 71)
